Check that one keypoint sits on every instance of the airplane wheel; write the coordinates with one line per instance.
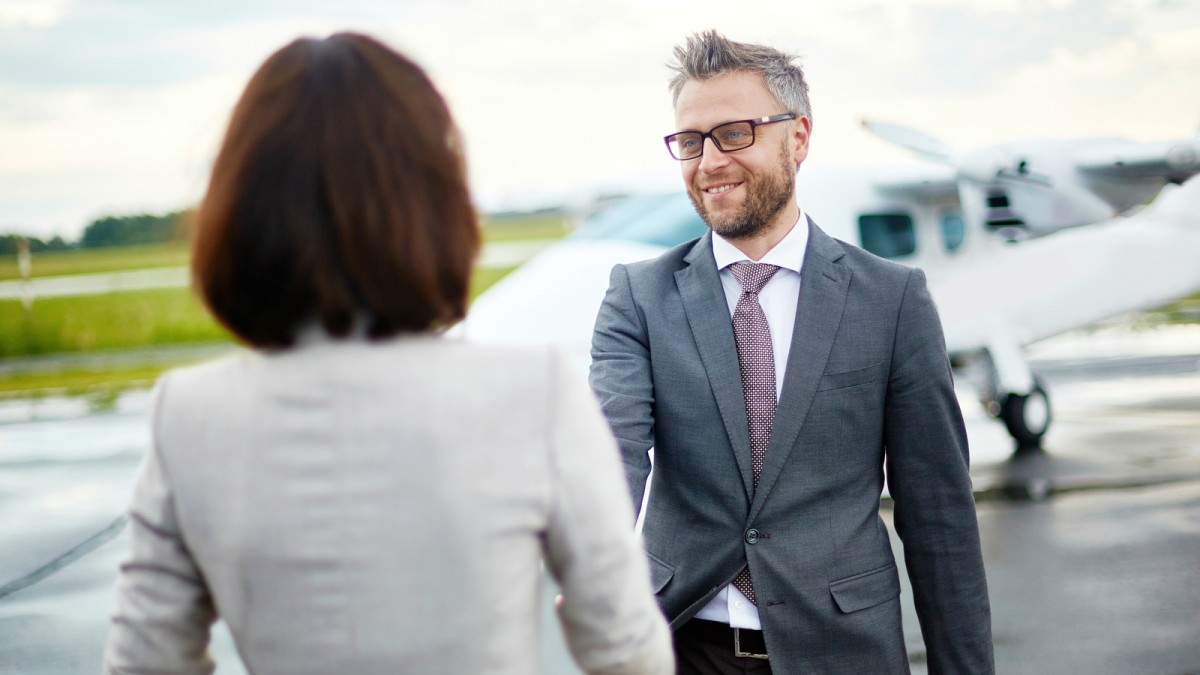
(1027, 416)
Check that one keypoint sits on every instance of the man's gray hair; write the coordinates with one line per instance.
(709, 54)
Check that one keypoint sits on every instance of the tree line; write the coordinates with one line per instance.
(142, 228)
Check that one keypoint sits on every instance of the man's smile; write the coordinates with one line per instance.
(718, 189)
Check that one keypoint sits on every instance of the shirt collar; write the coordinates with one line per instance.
(788, 253)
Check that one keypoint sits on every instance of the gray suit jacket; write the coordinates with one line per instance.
(356, 507)
(867, 388)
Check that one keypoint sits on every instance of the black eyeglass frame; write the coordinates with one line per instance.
(754, 124)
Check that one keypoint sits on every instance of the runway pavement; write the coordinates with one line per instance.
(1092, 547)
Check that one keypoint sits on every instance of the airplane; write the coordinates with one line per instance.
(1033, 188)
(1019, 242)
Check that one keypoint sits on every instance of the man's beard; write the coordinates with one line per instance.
(767, 195)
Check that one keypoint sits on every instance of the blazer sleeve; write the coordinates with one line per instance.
(164, 610)
(928, 478)
(611, 621)
(620, 376)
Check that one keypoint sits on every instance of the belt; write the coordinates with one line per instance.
(746, 643)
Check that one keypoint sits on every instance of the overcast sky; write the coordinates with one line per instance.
(117, 106)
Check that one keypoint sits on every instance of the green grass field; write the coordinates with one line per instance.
(98, 260)
(110, 321)
(126, 320)
(115, 322)
(142, 320)
(116, 259)
(547, 226)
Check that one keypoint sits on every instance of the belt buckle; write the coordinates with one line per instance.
(737, 647)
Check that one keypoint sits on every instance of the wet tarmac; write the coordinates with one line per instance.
(1092, 547)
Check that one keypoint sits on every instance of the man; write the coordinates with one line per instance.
(777, 372)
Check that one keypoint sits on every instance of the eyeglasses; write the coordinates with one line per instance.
(730, 136)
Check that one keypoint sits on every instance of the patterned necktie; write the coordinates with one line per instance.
(756, 356)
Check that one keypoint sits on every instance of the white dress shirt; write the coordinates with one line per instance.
(778, 299)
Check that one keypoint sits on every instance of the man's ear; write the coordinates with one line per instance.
(801, 131)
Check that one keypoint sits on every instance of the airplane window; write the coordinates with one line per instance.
(663, 220)
(889, 235)
(954, 231)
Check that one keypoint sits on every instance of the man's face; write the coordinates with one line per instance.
(744, 192)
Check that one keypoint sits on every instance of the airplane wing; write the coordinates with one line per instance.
(932, 185)
(1175, 161)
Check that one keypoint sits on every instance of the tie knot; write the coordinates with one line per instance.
(752, 276)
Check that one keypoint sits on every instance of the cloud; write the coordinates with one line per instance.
(25, 14)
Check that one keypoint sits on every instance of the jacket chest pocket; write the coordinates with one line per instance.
(850, 378)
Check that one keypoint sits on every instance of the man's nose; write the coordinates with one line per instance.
(713, 157)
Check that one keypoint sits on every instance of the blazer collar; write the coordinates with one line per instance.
(712, 329)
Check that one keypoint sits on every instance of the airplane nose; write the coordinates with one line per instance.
(1184, 156)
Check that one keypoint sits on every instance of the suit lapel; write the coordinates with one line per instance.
(823, 287)
(712, 328)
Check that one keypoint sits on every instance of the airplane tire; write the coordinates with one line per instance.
(1027, 416)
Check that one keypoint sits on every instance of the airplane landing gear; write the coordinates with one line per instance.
(1010, 391)
(1027, 416)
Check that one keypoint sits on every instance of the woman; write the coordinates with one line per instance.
(357, 494)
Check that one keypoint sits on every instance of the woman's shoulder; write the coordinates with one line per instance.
(206, 382)
(509, 365)
(493, 355)
(216, 368)
(372, 368)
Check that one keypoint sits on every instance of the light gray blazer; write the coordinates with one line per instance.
(867, 385)
(356, 507)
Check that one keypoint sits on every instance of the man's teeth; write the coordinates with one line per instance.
(722, 188)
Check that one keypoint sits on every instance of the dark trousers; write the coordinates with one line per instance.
(698, 653)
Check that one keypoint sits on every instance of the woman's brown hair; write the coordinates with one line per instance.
(339, 196)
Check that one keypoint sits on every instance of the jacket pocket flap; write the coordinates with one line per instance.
(660, 573)
(866, 590)
(850, 378)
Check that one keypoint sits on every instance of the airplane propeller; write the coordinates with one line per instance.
(910, 139)
(986, 166)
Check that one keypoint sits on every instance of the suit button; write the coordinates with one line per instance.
(752, 536)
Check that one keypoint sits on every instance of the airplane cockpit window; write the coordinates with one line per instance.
(663, 220)
(888, 235)
(954, 230)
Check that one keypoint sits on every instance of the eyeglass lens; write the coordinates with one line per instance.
(731, 136)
